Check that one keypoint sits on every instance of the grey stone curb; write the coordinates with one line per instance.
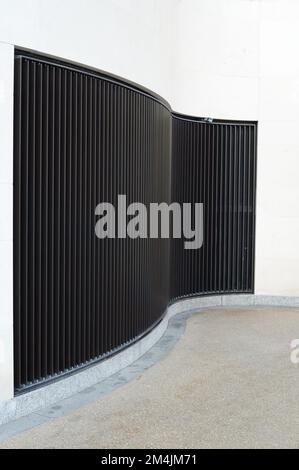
(48, 395)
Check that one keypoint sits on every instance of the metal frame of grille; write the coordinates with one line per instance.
(82, 137)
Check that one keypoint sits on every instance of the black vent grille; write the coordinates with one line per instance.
(79, 141)
(215, 164)
(81, 138)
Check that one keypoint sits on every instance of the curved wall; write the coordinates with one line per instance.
(233, 59)
(129, 38)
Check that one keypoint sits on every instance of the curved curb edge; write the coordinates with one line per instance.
(48, 395)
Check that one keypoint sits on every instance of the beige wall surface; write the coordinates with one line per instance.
(6, 235)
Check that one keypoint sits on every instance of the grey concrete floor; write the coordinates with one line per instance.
(227, 383)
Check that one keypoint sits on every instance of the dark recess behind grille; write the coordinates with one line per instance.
(81, 138)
